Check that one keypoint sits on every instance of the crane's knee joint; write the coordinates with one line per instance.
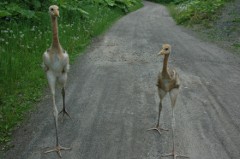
(55, 112)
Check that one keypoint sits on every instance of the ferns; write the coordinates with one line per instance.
(193, 11)
(27, 8)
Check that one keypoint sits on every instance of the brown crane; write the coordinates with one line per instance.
(56, 66)
(168, 81)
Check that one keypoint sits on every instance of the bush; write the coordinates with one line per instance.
(28, 8)
(162, 1)
(197, 10)
(193, 11)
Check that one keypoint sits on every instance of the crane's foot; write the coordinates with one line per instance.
(63, 111)
(58, 150)
(175, 155)
(158, 129)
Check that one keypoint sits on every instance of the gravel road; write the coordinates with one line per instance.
(112, 97)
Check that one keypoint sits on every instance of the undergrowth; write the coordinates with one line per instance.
(189, 12)
(26, 33)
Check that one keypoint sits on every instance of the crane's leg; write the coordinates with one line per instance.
(58, 147)
(64, 109)
(52, 83)
(173, 96)
(157, 127)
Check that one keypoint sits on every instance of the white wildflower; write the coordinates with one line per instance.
(4, 31)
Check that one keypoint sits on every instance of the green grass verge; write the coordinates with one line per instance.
(23, 42)
(189, 12)
(194, 12)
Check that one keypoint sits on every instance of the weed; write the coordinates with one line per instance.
(189, 12)
(236, 45)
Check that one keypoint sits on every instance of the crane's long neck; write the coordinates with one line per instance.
(165, 66)
(55, 40)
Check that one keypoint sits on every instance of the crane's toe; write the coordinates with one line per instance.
(58, 149)
(158, 129)
(64, 112)
(175, 155)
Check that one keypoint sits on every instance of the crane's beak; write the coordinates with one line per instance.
(161, 53)
(57, 13)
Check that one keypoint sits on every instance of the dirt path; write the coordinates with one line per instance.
(112, 97)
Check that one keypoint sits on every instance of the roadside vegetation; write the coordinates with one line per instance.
(189, 12)
(25, 33)
(215, 20)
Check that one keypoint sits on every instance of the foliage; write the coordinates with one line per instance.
(124, 5)
(193, 11)
(162, 1)
(28, 8)
(26, 33)
(13, 9)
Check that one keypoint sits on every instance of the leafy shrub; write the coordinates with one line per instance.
(162, 1)
(196, 10)
(193, 11)
(28, 8)
(13, 9)
(124, 5)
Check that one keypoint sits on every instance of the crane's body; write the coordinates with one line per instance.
(56, 65)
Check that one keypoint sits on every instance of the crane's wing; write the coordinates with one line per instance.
(66, 66)
(46, 60)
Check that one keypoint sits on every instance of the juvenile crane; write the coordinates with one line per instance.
(56, 66)
(168, 81)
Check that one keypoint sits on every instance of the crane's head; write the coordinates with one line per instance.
(53, 11)
(166, 49)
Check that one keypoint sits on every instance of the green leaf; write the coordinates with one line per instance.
(75, 9)
(110, 2)
(36, 4)
(27, 13)
(15, 9)
(4, 13)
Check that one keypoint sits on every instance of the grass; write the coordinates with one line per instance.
(22, 79)
(217, 21)
(195, 11)
(236, 46)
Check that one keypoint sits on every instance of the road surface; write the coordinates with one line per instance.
(112, 97)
